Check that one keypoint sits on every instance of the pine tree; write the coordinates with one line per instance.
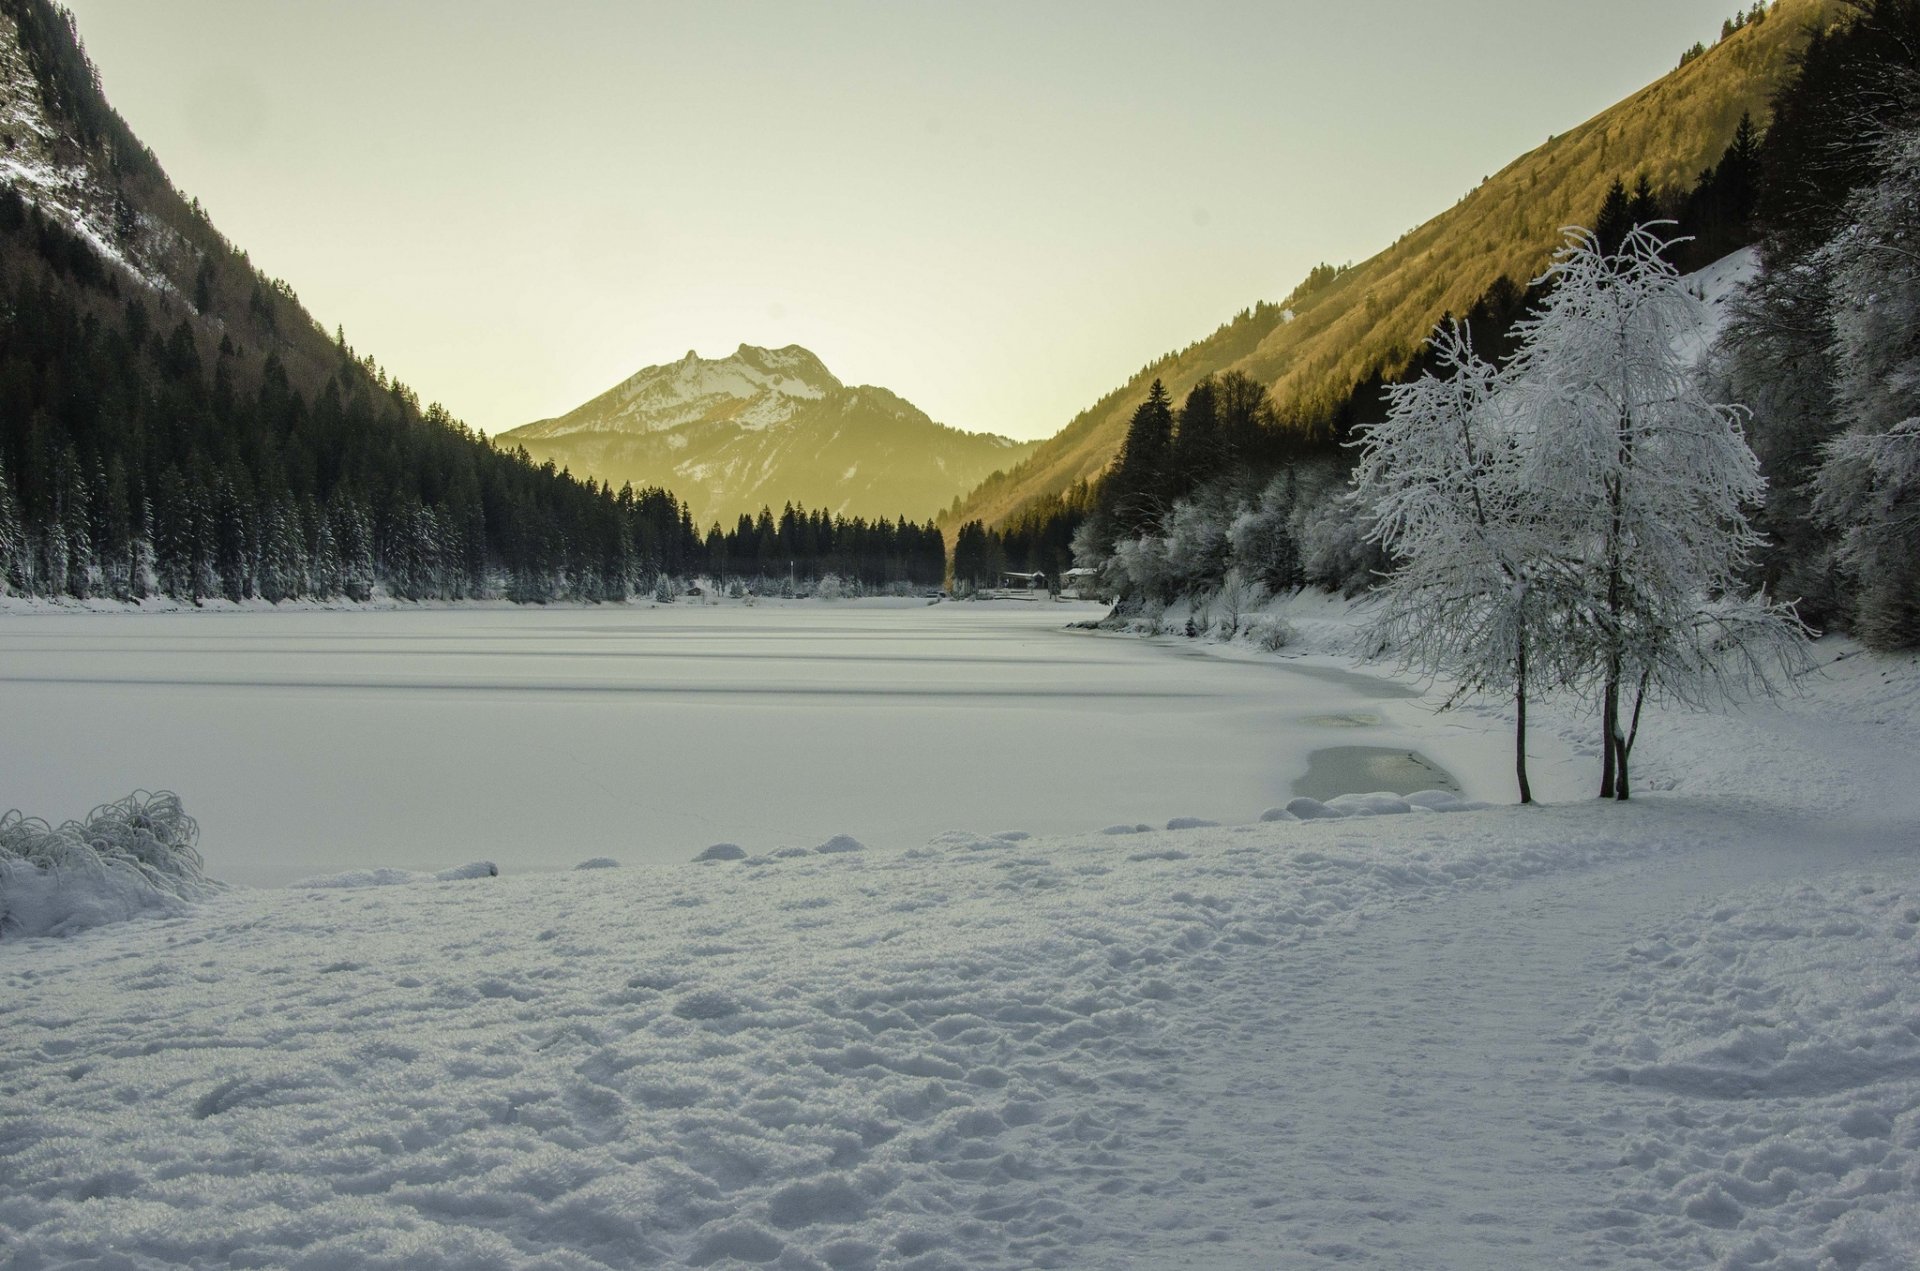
(1143, 471)
(13, 537)
(1615, 219)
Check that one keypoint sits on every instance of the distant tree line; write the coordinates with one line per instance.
(767, 553)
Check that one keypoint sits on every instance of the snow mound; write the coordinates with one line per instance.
(840, 843)
(137, 854)
(476, 869)
(354, 879)
(1192, 823)
(1128, 829)
(962, 841)
(723, 852)
(1442, 801)
(599, 862)
(1379, 803)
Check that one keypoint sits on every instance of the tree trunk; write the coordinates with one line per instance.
(1520, 711)
(1621, 787)
(1609, 726)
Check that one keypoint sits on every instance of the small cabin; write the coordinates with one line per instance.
(1014, 580)
(1081, 584)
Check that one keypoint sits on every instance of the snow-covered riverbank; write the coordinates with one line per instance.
(1680, 1032)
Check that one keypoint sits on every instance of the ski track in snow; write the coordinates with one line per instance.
(1681, 1033)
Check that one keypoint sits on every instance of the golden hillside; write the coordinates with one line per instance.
(1379, 311)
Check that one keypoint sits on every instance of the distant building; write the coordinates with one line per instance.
(1081, 584)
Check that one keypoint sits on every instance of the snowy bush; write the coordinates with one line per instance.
(830, 587)
(1235, 601)
(1139, 566)
(133, 855)
(1197, 545)
(1331, 528)
(1262, 540)
(1271, 633)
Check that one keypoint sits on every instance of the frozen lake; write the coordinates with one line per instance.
(310, 742)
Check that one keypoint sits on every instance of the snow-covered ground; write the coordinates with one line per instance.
(1683, 1032)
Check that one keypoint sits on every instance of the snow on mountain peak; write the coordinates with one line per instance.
(754, 388)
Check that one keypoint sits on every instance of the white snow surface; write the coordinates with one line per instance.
(1679, 1033)
(1717, 285)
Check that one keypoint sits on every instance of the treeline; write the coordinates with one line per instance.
(1228, 488)
(1036, 539)
(802, 550)
(139, 457)
(1738, 22)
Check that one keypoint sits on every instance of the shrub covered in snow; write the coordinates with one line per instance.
(136, 854)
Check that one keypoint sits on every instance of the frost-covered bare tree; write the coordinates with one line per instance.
(1445, 474)
(1577, 517)
(1264, 547)
(1634, 470)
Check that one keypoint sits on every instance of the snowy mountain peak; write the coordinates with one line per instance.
(761, 425)
(755, 388)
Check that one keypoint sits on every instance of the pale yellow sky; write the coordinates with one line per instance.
(997, 210)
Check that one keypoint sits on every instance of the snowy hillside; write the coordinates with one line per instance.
(765, 427)
(41, 160)
(1717, 285)
(1674, 1033)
